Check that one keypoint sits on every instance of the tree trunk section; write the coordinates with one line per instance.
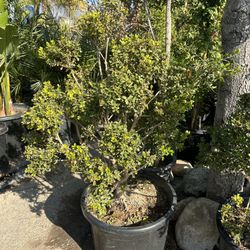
(235, 36)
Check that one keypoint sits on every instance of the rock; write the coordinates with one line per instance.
(180, 207)
(222, 185)
(196, 227)
(181, 168)
(178, 185)
(195, 181)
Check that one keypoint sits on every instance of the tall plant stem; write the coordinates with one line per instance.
(168, 35)
(6, 92)
(149, 19)
(36, 4)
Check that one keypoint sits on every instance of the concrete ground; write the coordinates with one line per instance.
(44, 213)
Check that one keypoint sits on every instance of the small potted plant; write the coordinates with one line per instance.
(9, 113)
(233, 221)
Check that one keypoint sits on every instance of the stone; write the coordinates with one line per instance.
(181, 168)
(178, 185)
(196, 227)
(195, 181)
(222, 185)
(180, 207)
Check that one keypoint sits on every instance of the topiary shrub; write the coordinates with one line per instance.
(124, 122)
(121, 97)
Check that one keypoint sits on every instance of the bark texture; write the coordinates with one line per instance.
(235, 36)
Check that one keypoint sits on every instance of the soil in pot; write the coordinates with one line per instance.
(141, 203)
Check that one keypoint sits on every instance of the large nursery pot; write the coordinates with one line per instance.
(151, 236)
(13, 143)
(225, 242)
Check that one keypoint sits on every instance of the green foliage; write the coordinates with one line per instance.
(63, 53)
(46, 114)
(42, 159)
(124, 121)
(235, 219)
(230, 145)
(196, 47)
(107, 22)
(3, 14)
(29, 71)
(120, 155)
(129, 85)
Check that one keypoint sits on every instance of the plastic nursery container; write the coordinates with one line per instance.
(13, 142)
(151, 236)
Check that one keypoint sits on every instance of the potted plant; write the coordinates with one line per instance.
(124, 103)
(9, 113)
(233, 221)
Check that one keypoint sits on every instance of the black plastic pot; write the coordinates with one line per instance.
(226, 242)
(151, 236)
(3, 158)
(3, 131)
(15, 130)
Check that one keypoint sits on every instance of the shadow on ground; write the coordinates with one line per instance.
(69, 218)
(58, 198)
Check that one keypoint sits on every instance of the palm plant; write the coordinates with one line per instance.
(8, 47)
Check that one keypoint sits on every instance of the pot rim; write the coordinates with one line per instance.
(15, 116)
(134, 229)
(221, 229)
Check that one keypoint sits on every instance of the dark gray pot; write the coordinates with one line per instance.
(13, 141)
(147, 237)
(3, 158)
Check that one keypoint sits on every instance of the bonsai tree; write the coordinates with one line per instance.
(235, 218)
(121, 97)
(8, 46)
